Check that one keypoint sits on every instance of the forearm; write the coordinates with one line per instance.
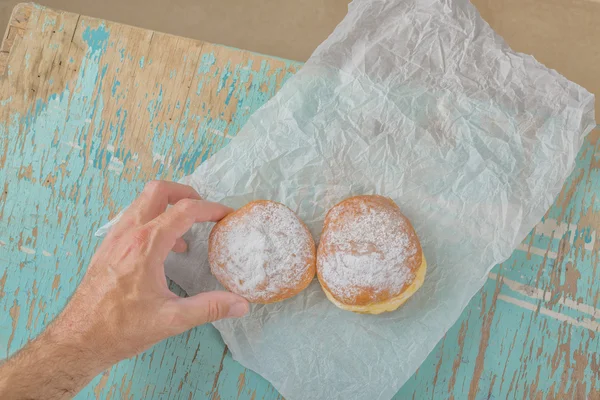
(123, 305)
(53, 366)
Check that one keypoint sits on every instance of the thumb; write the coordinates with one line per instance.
(212, 306)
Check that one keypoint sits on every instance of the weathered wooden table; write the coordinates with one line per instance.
(90, 110)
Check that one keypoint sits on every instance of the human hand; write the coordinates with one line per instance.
(123, 305)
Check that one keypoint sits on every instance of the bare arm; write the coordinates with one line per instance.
(123, 305)
(52, 366)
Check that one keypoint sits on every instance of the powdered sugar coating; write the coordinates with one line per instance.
(262, 252)
(369, 251)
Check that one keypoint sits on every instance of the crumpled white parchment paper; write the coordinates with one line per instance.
(421, 101)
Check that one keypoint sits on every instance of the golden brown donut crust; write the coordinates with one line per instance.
(262, 252)
(332, 269)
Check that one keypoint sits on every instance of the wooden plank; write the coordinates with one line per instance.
(90, 110)
(14, 32)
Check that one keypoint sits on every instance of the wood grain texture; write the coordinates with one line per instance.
(90, 110)
(15, 29)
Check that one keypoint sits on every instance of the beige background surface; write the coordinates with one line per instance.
(286, 28)
(562, 34)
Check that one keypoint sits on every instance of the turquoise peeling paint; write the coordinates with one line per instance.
(116, 84)
(61, 139)
(234, 82)
(69, 180)
(48, 23)
(41, 118)
(207, 61)
(223, 80)
(96, 39)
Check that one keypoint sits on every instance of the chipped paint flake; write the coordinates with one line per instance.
(115, 165)
(27, 250)
(586, 323)
(73, 145)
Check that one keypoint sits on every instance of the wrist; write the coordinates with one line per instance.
(67, 338)
(76, 348)
(55, 365)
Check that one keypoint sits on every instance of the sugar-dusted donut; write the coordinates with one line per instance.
(262, 252)
(369, 258)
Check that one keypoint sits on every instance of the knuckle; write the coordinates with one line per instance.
(122, 226)
(186, 206)
(214, 311)
(141, 237)
(176, 321)
(153, 187)
(188, 188)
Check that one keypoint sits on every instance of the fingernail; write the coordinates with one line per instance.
(238, 310)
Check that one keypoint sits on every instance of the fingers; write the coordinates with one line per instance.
(153, 201)
(210, 307)
(180, 246)
(177, 220)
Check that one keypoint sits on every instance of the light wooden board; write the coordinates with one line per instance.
(90, 110)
